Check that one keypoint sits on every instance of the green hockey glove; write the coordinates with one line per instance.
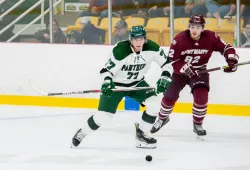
(107, 87)
(163, 83)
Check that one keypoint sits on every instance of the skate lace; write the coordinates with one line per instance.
(146, 135)
(199, 127)
(80, 135)
(158, 123)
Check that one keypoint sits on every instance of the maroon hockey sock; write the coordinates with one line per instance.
(200, 95)
(166, 108)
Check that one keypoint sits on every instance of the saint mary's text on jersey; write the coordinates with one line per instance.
(194, 51)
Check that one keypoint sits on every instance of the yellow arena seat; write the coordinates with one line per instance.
(132, 21)
(154, 35)
(227, 37)
(181, 24)
(105, 23)
(73, 28)
(78, 21)
(231, 22)
(166, 36)
(159, 23)
(226, 30)
(211, 23)
(227, 24)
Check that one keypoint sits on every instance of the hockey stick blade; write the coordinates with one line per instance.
(223, 67)
(98, 91)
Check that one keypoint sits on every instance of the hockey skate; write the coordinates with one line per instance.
(198, 129)
(143, 140)
(158, 125)
(77, 138)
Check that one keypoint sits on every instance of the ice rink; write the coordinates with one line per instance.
(39, 138)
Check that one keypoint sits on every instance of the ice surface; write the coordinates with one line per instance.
(39, 138)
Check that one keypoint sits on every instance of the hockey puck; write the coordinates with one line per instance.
(149, 158)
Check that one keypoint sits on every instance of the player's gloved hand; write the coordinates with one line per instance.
(231, 61)
(163, 83)
(107, 87)
(189, 70)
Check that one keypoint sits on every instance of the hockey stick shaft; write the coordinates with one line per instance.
(223, 67)
(98, 91)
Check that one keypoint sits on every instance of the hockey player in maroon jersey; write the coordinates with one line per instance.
(190, 52)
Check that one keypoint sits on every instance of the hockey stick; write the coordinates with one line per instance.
(40, 91)
(98, 91)
(223, 67)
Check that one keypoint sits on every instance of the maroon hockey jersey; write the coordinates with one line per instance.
(186, 50)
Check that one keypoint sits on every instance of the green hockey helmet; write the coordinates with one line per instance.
(137, 32)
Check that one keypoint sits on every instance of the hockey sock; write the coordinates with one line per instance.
(97, 120)
(92, 124)
(149, 116)
(147, 122)
(166, 108)
(89, 126)
(200, 95)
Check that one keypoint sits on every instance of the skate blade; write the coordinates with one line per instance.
(73, 146)
(154, 130)
(145, 145)
(200, 138)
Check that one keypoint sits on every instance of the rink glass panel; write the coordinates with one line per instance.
(157, 23)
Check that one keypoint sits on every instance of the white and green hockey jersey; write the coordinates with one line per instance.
(127, 68)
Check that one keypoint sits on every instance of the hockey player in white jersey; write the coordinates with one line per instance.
(126, 67)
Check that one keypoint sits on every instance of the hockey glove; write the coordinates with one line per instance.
(189, 70)
(163, 83)
(231, 61)
(107, 87)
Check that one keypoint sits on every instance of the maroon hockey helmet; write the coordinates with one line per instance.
(197, 19)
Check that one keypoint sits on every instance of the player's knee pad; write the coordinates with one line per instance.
(99, 119)
(200, 95)
(152, 105)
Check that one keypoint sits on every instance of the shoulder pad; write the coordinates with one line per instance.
(150, 46)
(122, 50)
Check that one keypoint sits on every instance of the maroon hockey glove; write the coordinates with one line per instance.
(189, 70)
(231, 61)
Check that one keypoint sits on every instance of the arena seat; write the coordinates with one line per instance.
(211, 23)
(166, 36)
(73, 28)
(105, 22)
(181, 24)
(132, 21)
(159, 22)
(154, 35)
(226, 30)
